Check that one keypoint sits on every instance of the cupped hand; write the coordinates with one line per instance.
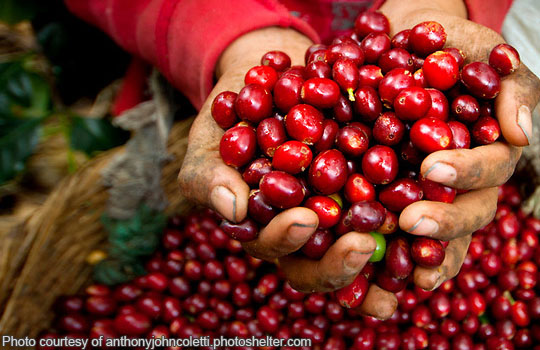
(206, 179)
(479, 170)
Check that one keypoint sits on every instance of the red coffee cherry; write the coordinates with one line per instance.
(427, 37)
(441, 70)
(504, 59)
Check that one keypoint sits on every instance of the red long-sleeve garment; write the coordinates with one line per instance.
(184, 38)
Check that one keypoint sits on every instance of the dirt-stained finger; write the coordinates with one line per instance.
(336, 269)
(476, 168)
(285, 234)
(445, 221)
(379, 303)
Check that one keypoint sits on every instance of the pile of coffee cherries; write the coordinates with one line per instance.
(201, 283)
(345, 135)
(494, 301)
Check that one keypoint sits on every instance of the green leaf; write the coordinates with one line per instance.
(53, 39)
(15, 11)
(17, 142)
(23, 94)
(25, 102)
(91, 135)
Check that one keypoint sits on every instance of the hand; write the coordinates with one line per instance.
(207, 180)
(481, 169)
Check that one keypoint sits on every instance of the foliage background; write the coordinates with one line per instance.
(54, 70)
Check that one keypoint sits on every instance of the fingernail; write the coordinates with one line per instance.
(424, 226)
(437, 283)
(356, 260)
(224, 201)
(524, 121)
(300, 233)
(441, 172)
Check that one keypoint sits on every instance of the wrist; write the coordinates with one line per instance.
(246, 51)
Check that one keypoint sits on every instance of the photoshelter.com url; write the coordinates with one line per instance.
(9, 342)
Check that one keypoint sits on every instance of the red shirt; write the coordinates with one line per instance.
(184, 38)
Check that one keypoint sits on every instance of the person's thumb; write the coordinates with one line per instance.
(520, 93)
(206, 179)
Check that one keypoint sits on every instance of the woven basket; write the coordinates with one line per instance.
(43, 257)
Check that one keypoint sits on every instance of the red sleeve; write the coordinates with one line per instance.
(488, 13)
(133, 88)
(184, 38)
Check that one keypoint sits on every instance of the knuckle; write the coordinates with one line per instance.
(186, 181)
(531, 78)
(253, 249)
(457, 221)
(507, 166)
(263, 251)
(452, 266)
(298, 285)
(456, 257)
(183, 181)
(490, 215)
(337, 282)
(276, 251)
(325, 282)
(475, 170)
(182, 178)
(448, 218)
(529, 86)
(305, 284)
(302, 277)
(471, 168)
(486, 211)
(280, 249)
(453, 273)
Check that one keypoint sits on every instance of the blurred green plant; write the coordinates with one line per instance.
(15, 11)
(29, 101)
(91, 135)
(26, 103)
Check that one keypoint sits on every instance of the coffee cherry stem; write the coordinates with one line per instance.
(508, 296)
(484, 319)
(351, 94)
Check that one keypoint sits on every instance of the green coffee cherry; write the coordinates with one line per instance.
(337, 198)
(378, 254)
